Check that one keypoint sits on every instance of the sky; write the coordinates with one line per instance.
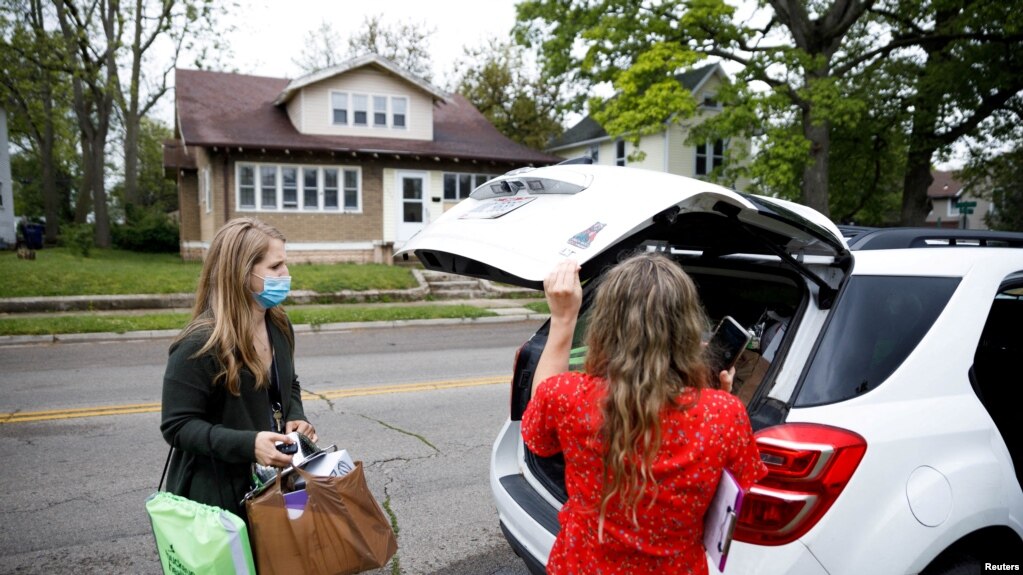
(271, 33)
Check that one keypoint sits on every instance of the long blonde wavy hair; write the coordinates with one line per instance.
(644, 337)
(223, 302)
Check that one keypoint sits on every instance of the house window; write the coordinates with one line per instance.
(950, 208)
(380, 111)
(339, 106)
(399, 109)
(247, 187)
(330, 189)
(459, 186)
(310, 189)
(360, 107)
(709, 157)
(595, 153)
(269, 187)
(620, 153)
(289, 188)
(710, 101)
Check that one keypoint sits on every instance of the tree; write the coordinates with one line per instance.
(155, 189)
(406, 44)
(804, 64)
(978, 40)
(639, 48)
(1004, 179)
(994, 170)
(321, 49)
(92, 32)
(179, 22)
(34, 89)
(521, 105)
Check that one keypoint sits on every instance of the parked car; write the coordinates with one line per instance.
(880, 380)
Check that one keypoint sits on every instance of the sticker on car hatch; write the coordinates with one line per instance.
(584, 238)
(496, 207)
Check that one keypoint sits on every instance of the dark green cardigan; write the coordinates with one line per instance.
(198, 416)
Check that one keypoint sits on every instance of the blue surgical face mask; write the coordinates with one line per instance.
(275, 290)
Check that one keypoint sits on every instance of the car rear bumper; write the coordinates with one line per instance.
(529, 522)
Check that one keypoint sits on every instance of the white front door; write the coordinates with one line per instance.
(412, 207)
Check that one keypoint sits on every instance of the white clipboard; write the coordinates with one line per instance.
(719, 521)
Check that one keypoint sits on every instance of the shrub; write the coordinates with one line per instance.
(148, 230)
(77, 238)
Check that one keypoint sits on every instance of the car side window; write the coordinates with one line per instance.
(998, 353)
(876, 323)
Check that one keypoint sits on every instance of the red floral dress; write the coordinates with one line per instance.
(696, 443)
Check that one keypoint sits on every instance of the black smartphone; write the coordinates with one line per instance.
(726, 344)
(287, 448)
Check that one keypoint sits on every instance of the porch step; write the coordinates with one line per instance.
(452, 286)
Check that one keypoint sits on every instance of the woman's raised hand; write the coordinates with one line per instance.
(563, 291)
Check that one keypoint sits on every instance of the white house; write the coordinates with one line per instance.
(665, 151)
(8, 229)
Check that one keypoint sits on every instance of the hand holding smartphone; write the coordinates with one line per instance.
(726, 344)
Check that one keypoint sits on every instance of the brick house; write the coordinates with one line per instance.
(348, 162)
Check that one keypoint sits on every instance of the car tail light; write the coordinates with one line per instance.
(521, 383)
(808, 467)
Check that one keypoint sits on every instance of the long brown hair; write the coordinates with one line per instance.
(223, 302)
(645, 338)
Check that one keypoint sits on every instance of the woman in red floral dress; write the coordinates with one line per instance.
(644, 436)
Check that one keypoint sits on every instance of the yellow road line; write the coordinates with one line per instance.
(52, 414)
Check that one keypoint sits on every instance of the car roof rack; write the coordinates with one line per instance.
(905, 238)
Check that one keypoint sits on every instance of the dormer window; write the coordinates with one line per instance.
(710, 101)
(339, 107)
(369, 110)
(380, 111)
(399, 108)
(360, 108)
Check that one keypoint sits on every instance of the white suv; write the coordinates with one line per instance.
(880, 382)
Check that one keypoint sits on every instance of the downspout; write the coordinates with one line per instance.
(227, 160)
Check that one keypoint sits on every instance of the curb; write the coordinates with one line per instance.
(100, 337)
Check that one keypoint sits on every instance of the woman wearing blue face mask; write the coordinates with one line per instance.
(230, 392)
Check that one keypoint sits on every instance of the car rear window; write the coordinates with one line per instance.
(878, 321)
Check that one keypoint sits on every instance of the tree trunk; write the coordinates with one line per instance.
(83, 196)
(101, 230)
(815, 174)
(132, 117)
(51, 201)
(915, 203)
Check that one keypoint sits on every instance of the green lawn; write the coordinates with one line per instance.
(57, 272)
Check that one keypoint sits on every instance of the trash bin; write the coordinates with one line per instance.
(34, 236)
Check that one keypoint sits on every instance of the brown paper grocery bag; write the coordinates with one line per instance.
(342, 529)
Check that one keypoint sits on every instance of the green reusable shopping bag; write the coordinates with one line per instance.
(198, 539)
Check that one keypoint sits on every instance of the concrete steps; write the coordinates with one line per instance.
(449, 286)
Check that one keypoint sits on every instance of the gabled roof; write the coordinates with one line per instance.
(944, 185)
(237, 110)
(367, 60)
(588, 130)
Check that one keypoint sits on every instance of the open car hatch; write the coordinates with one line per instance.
(515, 228)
